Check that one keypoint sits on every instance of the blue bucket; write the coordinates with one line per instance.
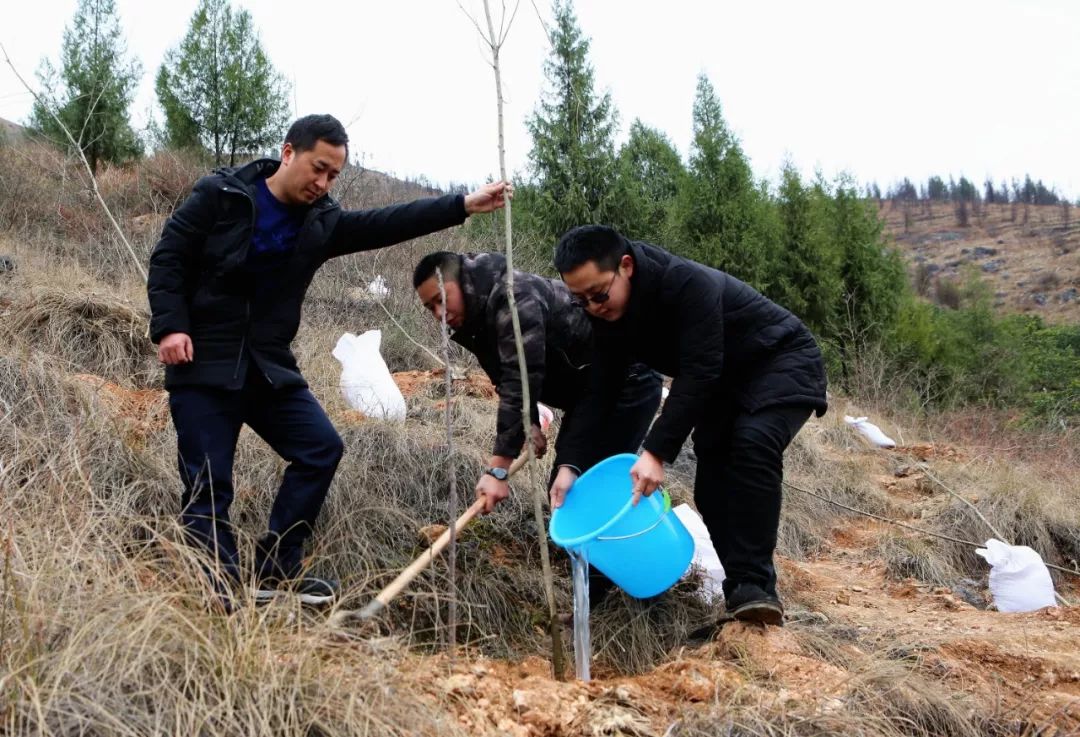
(643, 549)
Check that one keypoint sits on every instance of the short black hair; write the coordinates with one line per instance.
(446, 261)
(310, 129)
(599, 243)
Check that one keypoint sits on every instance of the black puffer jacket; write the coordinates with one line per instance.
(718, 339)
(199, 282)
(555, 332)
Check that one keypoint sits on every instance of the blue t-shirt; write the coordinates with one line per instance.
(276, 227)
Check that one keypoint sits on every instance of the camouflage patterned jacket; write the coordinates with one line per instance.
(556, 334)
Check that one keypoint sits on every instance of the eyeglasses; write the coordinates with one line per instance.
(600, 297)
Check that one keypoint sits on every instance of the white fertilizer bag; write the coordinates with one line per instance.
(705, 556)
(366, 382)
(870, 431)
(377, 288)
(546, 416)
(1019, 580)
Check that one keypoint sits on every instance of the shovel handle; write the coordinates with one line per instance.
(404, 578)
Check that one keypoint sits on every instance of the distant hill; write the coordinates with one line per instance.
(9, 129)
(1031, 261)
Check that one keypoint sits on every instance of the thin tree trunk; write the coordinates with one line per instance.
(558, 658)
(452, 643)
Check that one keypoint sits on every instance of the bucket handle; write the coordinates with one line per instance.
(650, 528)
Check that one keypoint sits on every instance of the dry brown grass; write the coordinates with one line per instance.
(93, 333)
(108, 627)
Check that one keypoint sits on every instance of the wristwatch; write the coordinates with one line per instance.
(499, 473)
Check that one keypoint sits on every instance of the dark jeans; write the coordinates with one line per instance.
(623, 432)
(740, 465)
(290, 420)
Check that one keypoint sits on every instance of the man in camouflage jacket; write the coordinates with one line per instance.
(557, 338)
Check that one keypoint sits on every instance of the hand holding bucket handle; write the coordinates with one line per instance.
(643, 549)
(647, 474)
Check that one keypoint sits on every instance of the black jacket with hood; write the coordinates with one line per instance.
(200, 282)
(721, 341)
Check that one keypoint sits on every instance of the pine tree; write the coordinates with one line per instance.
(573, 155)
(218, 89)
(648, 177)
(807, 277)
(93, 89)
(937, 190)
(718, 218)
(872, 275)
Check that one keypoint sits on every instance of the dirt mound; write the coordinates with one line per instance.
(140, 412)
(431, 383)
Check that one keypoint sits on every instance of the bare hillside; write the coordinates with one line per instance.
(1030, 255)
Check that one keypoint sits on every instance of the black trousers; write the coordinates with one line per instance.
(737, 488)
(291, 421)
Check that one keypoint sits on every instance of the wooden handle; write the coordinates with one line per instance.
(406, 576)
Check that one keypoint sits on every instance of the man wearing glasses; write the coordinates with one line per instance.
(558, 342)
(746, 376)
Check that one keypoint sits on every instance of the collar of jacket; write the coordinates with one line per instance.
(480, 273)
(245, 179)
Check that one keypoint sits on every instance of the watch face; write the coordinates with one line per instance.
(499, 473)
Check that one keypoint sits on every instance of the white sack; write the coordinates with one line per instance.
(366, 382)
(705, 556)
(1019, 580)
(546, 416)
(377, 288)
(870, 431)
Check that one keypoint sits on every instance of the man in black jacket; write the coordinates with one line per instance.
(746, 376)
(557, 339)
(226, 284)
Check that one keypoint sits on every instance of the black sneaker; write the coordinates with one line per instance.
(311, 590)
(750, 603)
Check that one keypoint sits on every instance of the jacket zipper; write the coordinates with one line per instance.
(243, 338)
(247, 303)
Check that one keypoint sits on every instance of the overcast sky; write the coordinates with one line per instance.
(880, 90)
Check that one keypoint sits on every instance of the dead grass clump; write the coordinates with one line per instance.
(1023, 507)
(882, 700)
(96, 334)
(32, 176)
(1003, 435)
(919, 558)
(900, 700)
(166, 179)
(98, 641)
(635, 635)
(61, 450)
